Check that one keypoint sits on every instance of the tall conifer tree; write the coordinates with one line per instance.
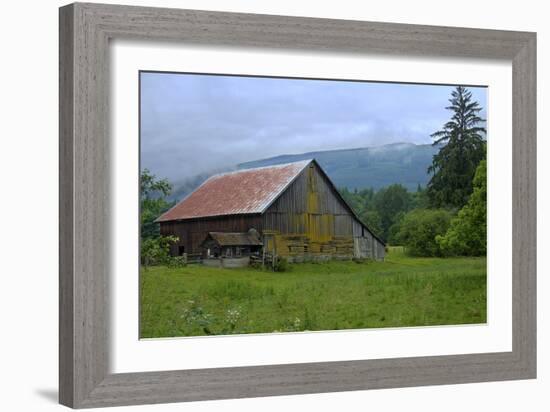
(463, 147)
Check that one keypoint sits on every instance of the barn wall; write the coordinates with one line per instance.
(310, 219)
(311, 193)
(192, 233)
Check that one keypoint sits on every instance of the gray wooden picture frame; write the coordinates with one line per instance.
(85, 31)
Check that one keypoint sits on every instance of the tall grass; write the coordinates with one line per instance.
(402, 291)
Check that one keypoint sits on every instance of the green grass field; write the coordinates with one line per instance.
(402, 291)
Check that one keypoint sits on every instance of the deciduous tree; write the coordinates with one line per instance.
(467, 234)
(153, 202)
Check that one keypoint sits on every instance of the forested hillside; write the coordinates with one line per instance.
(369, 167)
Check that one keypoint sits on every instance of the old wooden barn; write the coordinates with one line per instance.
(293, 210)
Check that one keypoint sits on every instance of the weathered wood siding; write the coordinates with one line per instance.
(192, 233)
(309, 218)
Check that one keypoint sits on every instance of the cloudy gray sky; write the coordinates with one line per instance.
(193, 124)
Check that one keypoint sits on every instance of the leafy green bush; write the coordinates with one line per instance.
(467, 235)
(280, 264)
(156, 250)
(419, 229)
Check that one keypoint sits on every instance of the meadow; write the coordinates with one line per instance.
(401, 291)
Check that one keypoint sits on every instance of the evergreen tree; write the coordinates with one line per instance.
(389, 202)
(420, 198)
(463, 147)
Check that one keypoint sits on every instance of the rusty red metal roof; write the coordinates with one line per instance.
(248, 191)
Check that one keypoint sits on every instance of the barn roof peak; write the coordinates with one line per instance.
(302, 163)
(245, 191)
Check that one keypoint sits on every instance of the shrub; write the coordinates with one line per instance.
(177, 262)
(467, 235)
(156, 250)
(280, 264)
(419, 229)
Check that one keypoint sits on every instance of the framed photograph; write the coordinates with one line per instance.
(257, 205)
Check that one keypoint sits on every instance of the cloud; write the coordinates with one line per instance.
(192, 124)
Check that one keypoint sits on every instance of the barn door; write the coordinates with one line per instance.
(360, 247)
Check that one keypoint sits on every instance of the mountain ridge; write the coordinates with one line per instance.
(360, 168)
(367, 167)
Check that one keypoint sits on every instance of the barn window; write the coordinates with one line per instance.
(181, 250)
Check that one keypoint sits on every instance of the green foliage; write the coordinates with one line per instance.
(153, 202)
(156, 250)
(195, 316)
(362, 201)
(373, 221)
(420, 199)
(453, 167)
(467, 234)
(419, 228)
(389, 202)
(280, 264)
(177, 262)
(393, 232)
(403, 291)
(380, 210)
